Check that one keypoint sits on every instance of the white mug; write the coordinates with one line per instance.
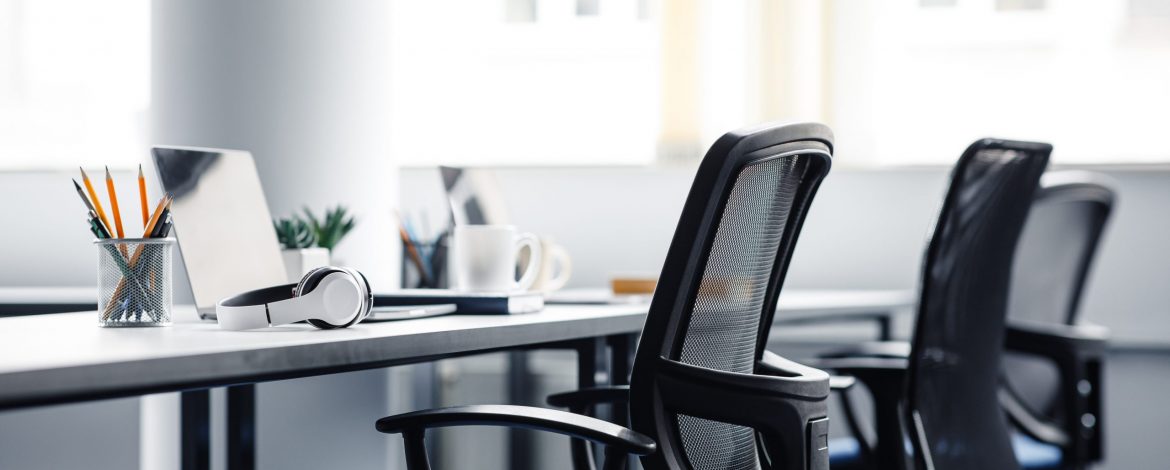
(555, 268)
(483, 258)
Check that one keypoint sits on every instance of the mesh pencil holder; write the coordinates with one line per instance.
(134, 281)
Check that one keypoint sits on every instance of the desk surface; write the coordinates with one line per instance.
(67, 357)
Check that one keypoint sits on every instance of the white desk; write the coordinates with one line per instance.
(60, 358)
(67, 357)
(801, 307)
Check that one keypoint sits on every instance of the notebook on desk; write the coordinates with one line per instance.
(492, 303)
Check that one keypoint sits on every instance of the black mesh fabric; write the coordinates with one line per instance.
(955, 364)
(1051, 263)
(725, 320)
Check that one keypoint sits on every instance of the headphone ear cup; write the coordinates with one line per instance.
(313, 278)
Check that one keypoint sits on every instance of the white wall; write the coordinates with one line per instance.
(866, 229)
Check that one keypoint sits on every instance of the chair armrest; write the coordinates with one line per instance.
(1032, 425)
(839, 383)
(543, 419)
(878, 349)
(865, 365)
(1056, 341)
(885, 377)
(1078, 352)
(787, 379)
(774, 365)
(586, 397)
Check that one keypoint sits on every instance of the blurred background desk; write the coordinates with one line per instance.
(36, 300)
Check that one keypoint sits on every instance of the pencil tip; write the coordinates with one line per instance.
(75, 183)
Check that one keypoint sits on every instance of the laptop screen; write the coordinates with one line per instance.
(221, 221)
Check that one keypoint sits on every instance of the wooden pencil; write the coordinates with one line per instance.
(142, 196)
(97, 204)
(114, 204)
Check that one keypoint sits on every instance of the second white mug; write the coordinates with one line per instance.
(483, 258)
(555, 268)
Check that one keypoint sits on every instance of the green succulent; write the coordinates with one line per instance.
(330, 230)
(294, 233)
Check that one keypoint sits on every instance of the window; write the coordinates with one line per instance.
(516, 82)
(74, 82)
(914, 81)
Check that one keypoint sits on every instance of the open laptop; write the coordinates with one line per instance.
(225, 230)
(222, 222)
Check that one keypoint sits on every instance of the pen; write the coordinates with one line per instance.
(97, 204)
(411, 251)
(92, 212)
(84, 200)
(163, 205)
(97, 224)
(163, 220)
(114, 203)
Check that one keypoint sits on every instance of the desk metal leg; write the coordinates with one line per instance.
(520, 444)
(886, 327)
(195, 430)
(621, 360)
(621, 349)
(426, 394)
(590, 362)
(241, 427)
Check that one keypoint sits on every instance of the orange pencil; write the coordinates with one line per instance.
(163, 203)
(97, 205)
(142, 196)
(114, 203)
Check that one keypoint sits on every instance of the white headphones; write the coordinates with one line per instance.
(327, 297)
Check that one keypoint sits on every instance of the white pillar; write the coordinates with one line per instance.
(303, 85)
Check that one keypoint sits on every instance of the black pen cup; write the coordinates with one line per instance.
(424, 264)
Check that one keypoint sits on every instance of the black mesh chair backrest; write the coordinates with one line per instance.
(1053, 260)
(952, 408)
(718, 289)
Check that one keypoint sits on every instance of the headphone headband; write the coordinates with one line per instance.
(290, 303)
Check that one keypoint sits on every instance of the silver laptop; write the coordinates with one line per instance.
(222, 222)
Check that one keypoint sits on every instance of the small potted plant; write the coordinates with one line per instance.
(330, 229)
(300, 256)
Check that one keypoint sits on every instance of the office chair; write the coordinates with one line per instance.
(1052, 370)
(938, 407)
(1053, 259)
(704, 393)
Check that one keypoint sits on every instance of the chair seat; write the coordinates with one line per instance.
(844, 452)
(1035, 455)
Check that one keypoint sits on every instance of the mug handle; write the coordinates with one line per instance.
(530, 270)
(559, 256)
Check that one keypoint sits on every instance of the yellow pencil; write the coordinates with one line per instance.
(97, 205)
(142, 196)
(114, 203)
(162, 204)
